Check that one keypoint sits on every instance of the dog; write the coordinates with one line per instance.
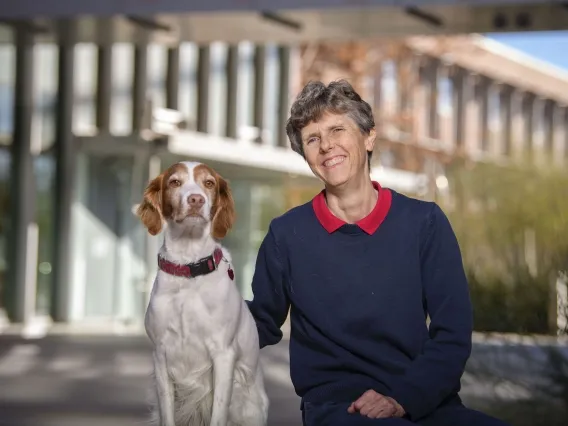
(205, 341)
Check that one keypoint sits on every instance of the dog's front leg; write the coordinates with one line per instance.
(223, 368)
(165, 390)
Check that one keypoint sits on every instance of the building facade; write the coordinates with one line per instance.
(84, 126)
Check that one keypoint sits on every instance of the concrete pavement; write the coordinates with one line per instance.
(102, 380)
(88, 380)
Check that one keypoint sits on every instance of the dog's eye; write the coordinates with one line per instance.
(175, 183)
(209, 184)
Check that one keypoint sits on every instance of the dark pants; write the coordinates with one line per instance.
(335, 414)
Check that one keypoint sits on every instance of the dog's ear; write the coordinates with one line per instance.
(149, 210)
(224, 216)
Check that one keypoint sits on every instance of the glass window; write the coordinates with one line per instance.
(7, 60)
(85, 81)
(187, 81)
(218, 89)
(245, 89)
(121, 97)
(272, 93)
(157, 69)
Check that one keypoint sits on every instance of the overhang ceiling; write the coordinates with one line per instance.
(299, 25)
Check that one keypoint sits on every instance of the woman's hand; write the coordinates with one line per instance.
(376, 406)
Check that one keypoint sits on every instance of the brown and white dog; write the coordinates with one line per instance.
(206, 349)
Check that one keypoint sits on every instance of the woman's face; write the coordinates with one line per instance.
(336, 149)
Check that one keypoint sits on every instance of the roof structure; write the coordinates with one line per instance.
(285, 21)
(499, 62)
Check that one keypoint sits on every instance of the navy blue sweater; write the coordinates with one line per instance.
(359, 295)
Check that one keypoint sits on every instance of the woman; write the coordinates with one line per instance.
(360, 267)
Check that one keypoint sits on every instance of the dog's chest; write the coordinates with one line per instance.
(186, 315)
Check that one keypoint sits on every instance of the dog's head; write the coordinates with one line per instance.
(188, 195)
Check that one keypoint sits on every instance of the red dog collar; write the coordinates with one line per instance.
(201, 267)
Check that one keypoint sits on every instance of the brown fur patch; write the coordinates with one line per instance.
(157, 202)
(223, 211)
(170, 203)
(160, 202)
(150, 211)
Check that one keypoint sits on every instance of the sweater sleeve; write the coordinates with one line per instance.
(270, 302)
(437, 371)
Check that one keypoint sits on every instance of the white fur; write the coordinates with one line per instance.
(206, 349)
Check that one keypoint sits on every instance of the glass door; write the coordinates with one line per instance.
(109, 268)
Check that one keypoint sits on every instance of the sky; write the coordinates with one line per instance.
(548, 46)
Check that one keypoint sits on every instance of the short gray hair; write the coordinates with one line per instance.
(316, 99)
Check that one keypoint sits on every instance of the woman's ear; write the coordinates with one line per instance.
(149, 211)
(224, 216)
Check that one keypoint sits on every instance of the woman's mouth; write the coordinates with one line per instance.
(334, 161)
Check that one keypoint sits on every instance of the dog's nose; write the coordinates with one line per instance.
(196, 200)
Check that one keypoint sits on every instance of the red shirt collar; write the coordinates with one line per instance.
(369, 223)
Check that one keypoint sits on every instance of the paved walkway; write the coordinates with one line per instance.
(102, 380)
(78, 380)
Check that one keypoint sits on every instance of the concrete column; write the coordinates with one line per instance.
(518, 135)
(472, 125)
(538, 126)
(493, 119)
(203, 73)
(404, 69)
(239, 240)
(432, 74)
(560, 135)
(65, 156)
(548, 113)
(565, 144)
(420, 104)
(151, 243)
(232, 75)
(506, 128)
(377, 103)
(140, 83)
(172, 78)
(482, 96)
(528, 110)
(283, 95)
(459, 94)
(22, 251)
(104, 77)
(259, 85)
(104, 88)
(446, 128)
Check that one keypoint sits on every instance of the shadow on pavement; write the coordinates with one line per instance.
(103, 380)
